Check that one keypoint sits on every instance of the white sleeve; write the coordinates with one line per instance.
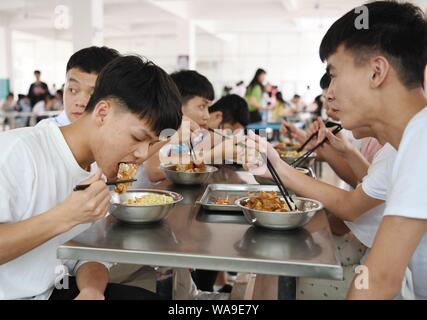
(375, 183)
(408, 192)
(16, 180)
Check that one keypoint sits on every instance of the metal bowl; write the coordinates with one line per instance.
(188, 177)
(270, 181)
(307, 208)
(142, 214)
(304, 164)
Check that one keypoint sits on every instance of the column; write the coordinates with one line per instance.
(186, 40)
(87, 23)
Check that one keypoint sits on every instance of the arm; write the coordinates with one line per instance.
(18, 238)
(389, 257)
(343, 204)
(80, 207)
(356, 165)
(92, 279)
(340, 166)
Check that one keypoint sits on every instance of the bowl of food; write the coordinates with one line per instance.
(142, 206)
(288, 146)
(268, 210)
(290, 156)
(189, 173)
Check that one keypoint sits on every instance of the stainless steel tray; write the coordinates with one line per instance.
(233, 192)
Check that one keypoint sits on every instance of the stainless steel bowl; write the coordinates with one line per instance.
(141, 214)
(188, 177)
(304, 164)
(307, 208)
(270, 181)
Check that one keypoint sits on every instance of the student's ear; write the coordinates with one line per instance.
(380, 69)
(218, 115)
(102, 109)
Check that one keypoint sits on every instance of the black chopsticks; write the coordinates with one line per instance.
(328, 124)
(308, 153)
(279, 183)
(81, 187)
(274, 174)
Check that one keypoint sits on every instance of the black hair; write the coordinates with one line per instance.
(37, 72)
(279, 97)
(92, 59)
(297, 96)
(234, 109)
(396, 30)
(142, 88)
(325, 81)
(10, 94)
(255, 81)
(318, 100)
(192, 84)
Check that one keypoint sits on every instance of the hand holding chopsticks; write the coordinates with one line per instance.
(308, 153)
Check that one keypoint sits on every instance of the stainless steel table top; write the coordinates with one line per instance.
(193, 238)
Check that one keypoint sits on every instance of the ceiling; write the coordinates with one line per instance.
(135, 18)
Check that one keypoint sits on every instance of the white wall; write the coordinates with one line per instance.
(291, 59)
(32, 52)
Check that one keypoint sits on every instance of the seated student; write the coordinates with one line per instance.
(197, 93)
(390, 79)
(281, 109)
(132, 102)
(387, 62)
(230, 112)
(352, 166)
(82, 70)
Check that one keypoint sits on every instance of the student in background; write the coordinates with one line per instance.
(281, 109)
(197, 93)
(82, 70)
(230, 112)
(38, 89)
(254, 96)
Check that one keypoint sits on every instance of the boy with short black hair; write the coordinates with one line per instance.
(82, 70)
(133, 101)
(197, 93)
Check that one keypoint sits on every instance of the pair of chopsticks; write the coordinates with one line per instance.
(308, 153)
(81, 187)
(274, 174)
(328, 124)
(279, 183)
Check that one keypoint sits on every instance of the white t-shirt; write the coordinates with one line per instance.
(375, 185)
(60, 120)
(37, 172)
(407, 195)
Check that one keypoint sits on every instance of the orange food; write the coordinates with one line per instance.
(126, 171)
(190, 167)
(267, 201)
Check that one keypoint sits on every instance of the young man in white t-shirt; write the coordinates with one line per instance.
(377, 80)
(82, 70)
(132, 102)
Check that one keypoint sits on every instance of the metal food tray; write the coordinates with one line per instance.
(233, 191)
